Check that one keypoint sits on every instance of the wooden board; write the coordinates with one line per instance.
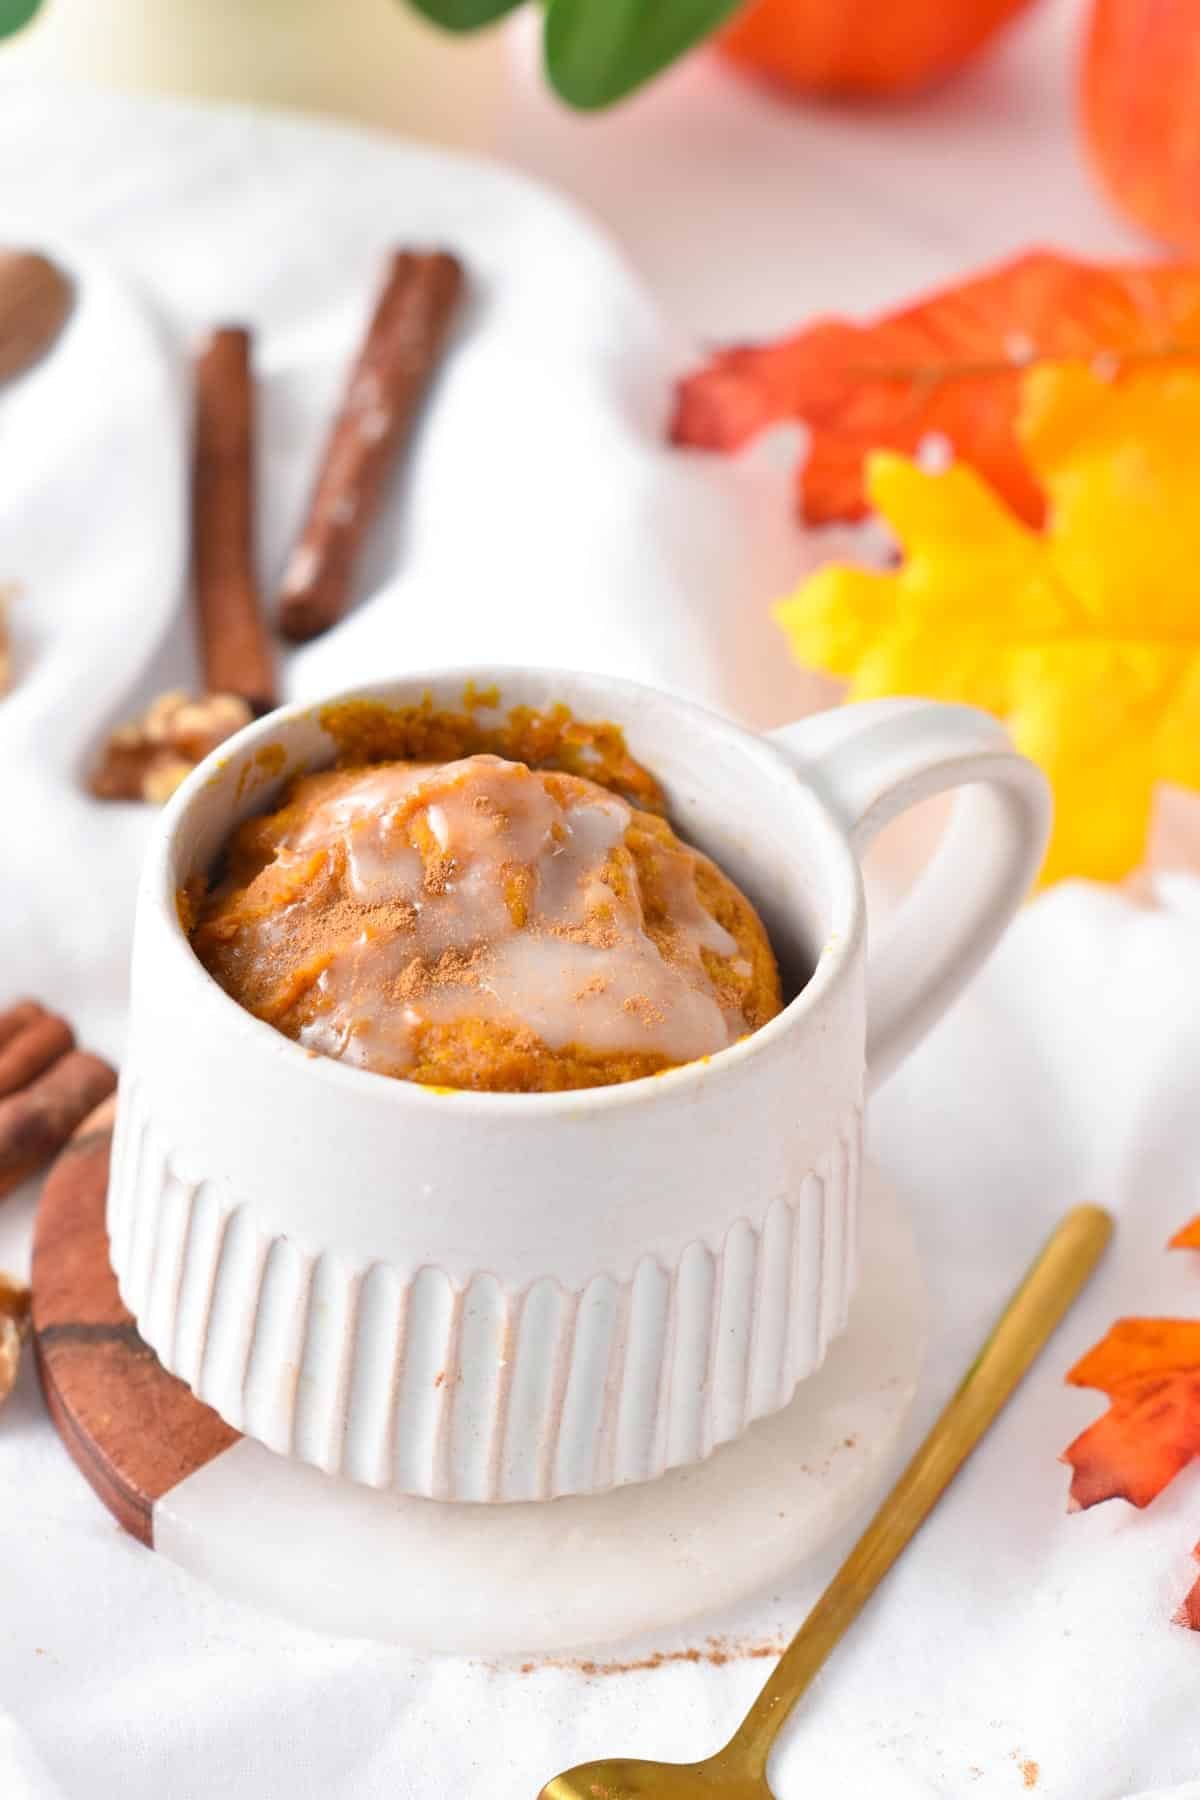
(134, 1430)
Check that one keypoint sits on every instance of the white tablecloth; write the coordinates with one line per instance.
(1014, 1644)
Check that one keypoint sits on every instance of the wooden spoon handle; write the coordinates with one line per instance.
(1027, 1322)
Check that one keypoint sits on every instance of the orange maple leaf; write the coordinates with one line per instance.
(1189, 1611)
(1150, 1370)
(948, 366)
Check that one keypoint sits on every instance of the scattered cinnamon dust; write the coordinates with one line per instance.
(715, 1651)
(642, 1008)
(598, 931)
(592, 987)
(453, 968)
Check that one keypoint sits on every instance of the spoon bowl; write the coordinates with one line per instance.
(627, 1778)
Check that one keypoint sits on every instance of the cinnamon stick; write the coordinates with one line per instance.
(34, 1047)
(234, 648)
(147, 758)
(35, 300)
(398, 356)
(36, 1123)
(16, 1017)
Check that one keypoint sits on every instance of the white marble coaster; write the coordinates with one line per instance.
(552, 1576)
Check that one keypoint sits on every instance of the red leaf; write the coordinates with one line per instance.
(949, 364)
(1150, 1369)
(1188, 1238)
(1189, 1611)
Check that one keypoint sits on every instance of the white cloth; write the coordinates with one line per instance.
(542, 517)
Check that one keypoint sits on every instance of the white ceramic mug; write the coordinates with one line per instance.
(509, 1296)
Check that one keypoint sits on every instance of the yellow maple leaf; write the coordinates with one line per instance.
(1084, 637)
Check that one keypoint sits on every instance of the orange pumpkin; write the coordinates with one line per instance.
(1140, 100)
(861, 47)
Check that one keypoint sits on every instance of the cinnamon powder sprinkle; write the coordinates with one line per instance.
(600, 933)
(596, 985)
(715, 1651)
(643, 1009)
(453, 968)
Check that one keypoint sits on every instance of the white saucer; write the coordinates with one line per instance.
(501, 1580)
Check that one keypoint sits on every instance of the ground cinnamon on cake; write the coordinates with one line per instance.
(481, 924)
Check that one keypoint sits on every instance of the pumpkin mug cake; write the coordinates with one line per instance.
(420, 1280)
(480, 923)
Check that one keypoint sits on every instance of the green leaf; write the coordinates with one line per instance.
(597, 51)
(15, 13)
(458, 15)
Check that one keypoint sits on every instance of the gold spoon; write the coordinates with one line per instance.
(739, 1771)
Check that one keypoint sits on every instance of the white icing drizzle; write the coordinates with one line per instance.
(498, 904)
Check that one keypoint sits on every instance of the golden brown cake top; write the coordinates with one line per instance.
(477, 923)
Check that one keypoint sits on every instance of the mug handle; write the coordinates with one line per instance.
(873, 760)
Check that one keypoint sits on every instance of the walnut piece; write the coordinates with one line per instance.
(147, 758)
(14, 1323)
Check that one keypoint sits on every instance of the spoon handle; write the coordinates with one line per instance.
(1048, 1290)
